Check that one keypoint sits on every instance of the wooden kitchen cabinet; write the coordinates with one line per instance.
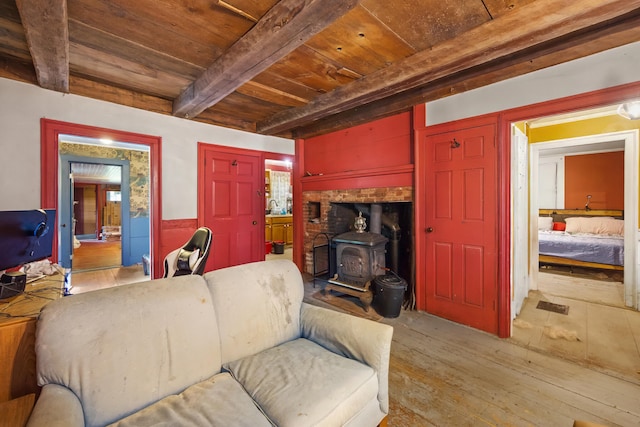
(279, 228)
(289, 234)
(268, 235)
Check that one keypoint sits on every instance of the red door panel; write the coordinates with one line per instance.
(233, 207)
(460, 216)
(443, 252)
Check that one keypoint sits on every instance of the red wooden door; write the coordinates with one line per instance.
(460, 219)
(233, 207)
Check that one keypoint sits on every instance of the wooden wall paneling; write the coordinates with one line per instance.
(384, 143)
(17, 358)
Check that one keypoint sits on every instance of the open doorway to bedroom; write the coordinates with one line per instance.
(578, 203)
(583, 205)
(580, 301)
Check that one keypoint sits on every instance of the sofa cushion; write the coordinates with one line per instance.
(300, 383)
(257, 305)
(218, 401)
(121, 348)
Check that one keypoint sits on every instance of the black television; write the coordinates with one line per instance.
(25, 236)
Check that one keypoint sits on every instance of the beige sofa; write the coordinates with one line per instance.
(237, 347)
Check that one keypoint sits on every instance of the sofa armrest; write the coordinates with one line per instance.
(360, 339)
(57, 406)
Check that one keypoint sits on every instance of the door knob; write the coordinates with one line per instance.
(254, 222)
(429, 230)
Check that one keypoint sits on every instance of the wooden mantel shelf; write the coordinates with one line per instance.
(396, 176)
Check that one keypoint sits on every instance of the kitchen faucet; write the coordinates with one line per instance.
(273, 206)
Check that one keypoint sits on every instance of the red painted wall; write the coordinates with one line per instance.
(600, 175)
(379, 144)
(372, 155)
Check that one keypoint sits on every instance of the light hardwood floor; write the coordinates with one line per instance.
(598, 331)
(93, 254)
(446, 374)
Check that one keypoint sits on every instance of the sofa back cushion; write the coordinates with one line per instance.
(123, 348)
(257, 304)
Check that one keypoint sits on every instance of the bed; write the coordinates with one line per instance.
(592, 239)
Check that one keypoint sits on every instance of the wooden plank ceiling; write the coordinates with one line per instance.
(295, 68)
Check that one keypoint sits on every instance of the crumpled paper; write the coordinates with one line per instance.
(40, 268)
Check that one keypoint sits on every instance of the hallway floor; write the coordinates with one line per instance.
(597, 332)
(94, 254)
(85, 281)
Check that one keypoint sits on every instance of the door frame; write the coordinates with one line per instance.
(50, 131)
(584, 101)
(297, 223)
(65, 216)
(630, 138)
(520, 231)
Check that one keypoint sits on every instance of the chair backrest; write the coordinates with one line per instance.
(192, 257)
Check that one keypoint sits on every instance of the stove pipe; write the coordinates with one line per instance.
(376, 218)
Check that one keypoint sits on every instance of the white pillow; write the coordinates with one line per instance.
(545, 223)
(595, 225)
(182, 261)
(193, 258)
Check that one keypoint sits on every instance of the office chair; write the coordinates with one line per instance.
(191, 257)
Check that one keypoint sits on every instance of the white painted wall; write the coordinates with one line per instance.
(22, 105)
(599, 71)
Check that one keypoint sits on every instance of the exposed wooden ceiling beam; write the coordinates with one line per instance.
(286, 26)
(577, 45)
(47, 32)
(507, 35)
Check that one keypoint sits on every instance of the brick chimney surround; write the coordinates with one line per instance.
(317, 205)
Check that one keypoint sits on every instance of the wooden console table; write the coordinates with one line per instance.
(18, 317)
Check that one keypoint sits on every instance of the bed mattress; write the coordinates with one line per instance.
(582, 247)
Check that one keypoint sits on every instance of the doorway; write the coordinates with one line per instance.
(51, 134)
(278, 197)
(618, 150)
(593, 326)
(95, 202)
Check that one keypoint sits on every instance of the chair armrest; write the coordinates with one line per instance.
(360, 339)
(57, 406)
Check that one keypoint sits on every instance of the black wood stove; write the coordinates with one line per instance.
(360, 258)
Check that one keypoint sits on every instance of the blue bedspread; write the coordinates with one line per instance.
(589, 248)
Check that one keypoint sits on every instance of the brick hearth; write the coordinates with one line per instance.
(317, 205)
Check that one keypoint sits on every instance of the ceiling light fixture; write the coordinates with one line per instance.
(630, 110)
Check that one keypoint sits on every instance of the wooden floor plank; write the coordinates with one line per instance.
(517, 380)
(92, 254)
(485, 390)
